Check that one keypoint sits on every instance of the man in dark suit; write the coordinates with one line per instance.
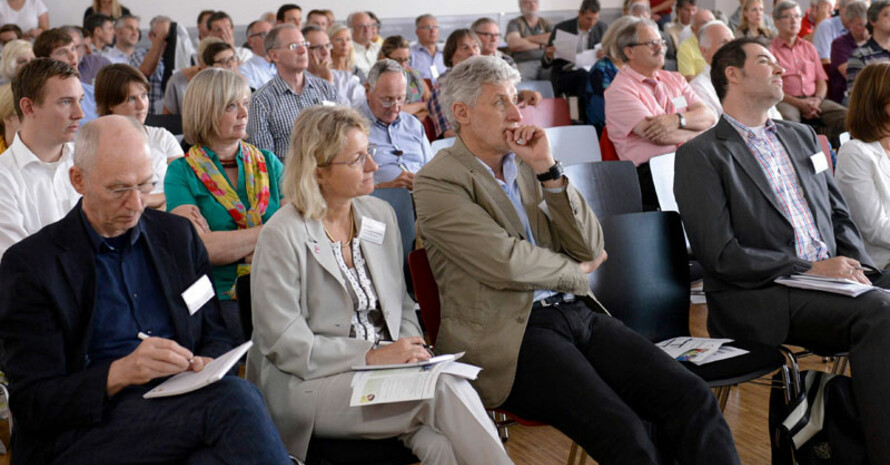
(73, 298)
(566, 77)
(759, 202)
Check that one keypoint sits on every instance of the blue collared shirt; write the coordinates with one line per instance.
(257, 71)
(405, 134)
(88, 105)
(825, 33)
(129, 295)
(421, 61)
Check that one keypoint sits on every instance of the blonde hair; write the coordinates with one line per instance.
(206, 98)
(115, 8)
(756, 29)
(319, 134)
(203, 46)
(9, 57)
(609, 40)
(7, 108)
(335, 29)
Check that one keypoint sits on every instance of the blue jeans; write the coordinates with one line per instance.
(224, 423)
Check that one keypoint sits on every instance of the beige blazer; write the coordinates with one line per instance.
(486, 269)
(302, 312)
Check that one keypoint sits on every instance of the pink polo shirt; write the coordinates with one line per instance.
(629, 100)
(803, 68)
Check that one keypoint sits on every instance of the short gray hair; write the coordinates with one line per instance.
(421, 18)
(157, 19)
(639, 7)
(86, 146)
(464, 82)
(629, 35)
(612, 33)
(703, 39)
(120, 21)
(782, 7)
(856, 10)
(385, 65)
(271, 40)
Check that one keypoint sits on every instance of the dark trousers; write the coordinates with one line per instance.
(224, 423)
(647, 188)
(572, 82)
(600, 383)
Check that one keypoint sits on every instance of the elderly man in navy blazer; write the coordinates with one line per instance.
(73, 298)
(759, 202)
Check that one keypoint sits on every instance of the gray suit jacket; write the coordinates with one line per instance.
(741, 236)
(486, 268)
(302, 312)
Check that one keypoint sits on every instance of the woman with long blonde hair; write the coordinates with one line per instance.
(111, 8)
(752, 24)
(341, 53)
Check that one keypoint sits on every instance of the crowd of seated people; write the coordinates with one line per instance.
(129, 175)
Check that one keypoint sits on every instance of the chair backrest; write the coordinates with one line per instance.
(426, 291)
(440, 144)
(172, 123)
(607, 148)
(401, 201)
(645, 280)
(550, 112)
(242, 290)
(544, 87)
(574, 144)
(609, 188)
(662, 168)
(429, 128)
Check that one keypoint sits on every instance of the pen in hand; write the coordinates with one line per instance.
(142, 336)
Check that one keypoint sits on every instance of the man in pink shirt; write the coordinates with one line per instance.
(650, 111)
(805, 83)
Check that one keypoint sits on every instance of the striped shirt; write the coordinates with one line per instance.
(869, 52)
(776, 165)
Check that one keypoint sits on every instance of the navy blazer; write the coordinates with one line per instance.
(47, 295)
(739, 232)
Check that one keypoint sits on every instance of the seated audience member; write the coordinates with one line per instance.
(315, 319)
(275, 106)
(819, 11)
(347, 84)
(426, 57)
(364, 49)
(69, 321)
(650, 111)
(681, 28)
(489, 34)
(342, 54)
(402, 148)
(259, 69)
(220, 55)
(57, 44)
(31, 16)
(640, 9)
(179, 81)
(856, 21)
(34, 187)
(396, 48)
(805, 81)
(88, 64)
(9, 120)
(318, 18)
(203, 31)
(603, 72)
(289, 13)
(752, 24)
(148, 60)
(527, 37)
(877, 48)
(690, 62)
(566, 77)
(123, 90)
(516, 296)
(111, 8)
(375, 29)
(219, 24)
(101, 29)
(863, 163)
(14, 55)
(755, 210)
(735, 20)
(828, 30)
(711, 36)
(227, 187)
(9, 32)
(460, 45)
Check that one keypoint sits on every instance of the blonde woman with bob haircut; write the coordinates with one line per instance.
(227, 187)
(328, 294)
(9, 120)
(15, 54)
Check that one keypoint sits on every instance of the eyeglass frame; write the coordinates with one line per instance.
(226, 61)
(651, 44)
(360, 160)
(294, 46)
(317, 47)
(143, 189)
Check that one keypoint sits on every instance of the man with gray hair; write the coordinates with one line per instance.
(364, 49)
(711, 37)
(320, 65)
(147, 60)
(510, 241)
(73, 300)
(828, 30)
(426, 56)
(878, 46)
(856, 21)
(259, 69)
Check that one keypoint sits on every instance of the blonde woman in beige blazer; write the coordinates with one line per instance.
(327, 296)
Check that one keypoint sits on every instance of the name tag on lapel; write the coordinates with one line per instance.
(820, 163)
(372, 231)
(679, 102)
(198, 294)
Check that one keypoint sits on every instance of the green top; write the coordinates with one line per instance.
(182, 187)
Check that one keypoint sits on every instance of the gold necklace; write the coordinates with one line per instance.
(351, 231)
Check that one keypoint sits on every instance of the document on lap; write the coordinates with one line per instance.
(845, 287)
(189, 381)
(406, 382)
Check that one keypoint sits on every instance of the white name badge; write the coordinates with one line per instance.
(679, 102)
(434, 72)
(372, 231)
(820, 163)
(328, 103)
(198, 294)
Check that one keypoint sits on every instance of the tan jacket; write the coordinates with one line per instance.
(486, 269)
(302, 312)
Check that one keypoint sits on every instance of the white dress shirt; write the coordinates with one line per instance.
(33, 194)
(257, 71)
(863, 176)
(703, 87)
(365, 57)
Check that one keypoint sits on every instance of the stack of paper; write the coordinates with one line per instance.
(383, 384)
(189, 381)
(699, 350)
(845, 287)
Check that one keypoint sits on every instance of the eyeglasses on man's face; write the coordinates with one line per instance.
(121, 192)
(296, 45)
(653, 44)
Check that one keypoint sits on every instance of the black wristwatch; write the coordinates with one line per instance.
(555, 172)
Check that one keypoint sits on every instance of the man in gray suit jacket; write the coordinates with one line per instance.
(759, 202)
(510, 241)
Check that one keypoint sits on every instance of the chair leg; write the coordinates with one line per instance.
(839, 366)
(722, 394)
(577, 455)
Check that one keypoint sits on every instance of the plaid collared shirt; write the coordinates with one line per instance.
(155, 93)
(274, 108)
(776, 165)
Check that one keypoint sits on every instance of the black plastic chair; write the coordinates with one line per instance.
(403, 203)
(609, 188)
(172, 123)
(326, 451)
(645, 284)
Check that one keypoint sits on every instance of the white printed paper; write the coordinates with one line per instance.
(189, 381)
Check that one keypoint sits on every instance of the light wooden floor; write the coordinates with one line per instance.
(746, 414)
